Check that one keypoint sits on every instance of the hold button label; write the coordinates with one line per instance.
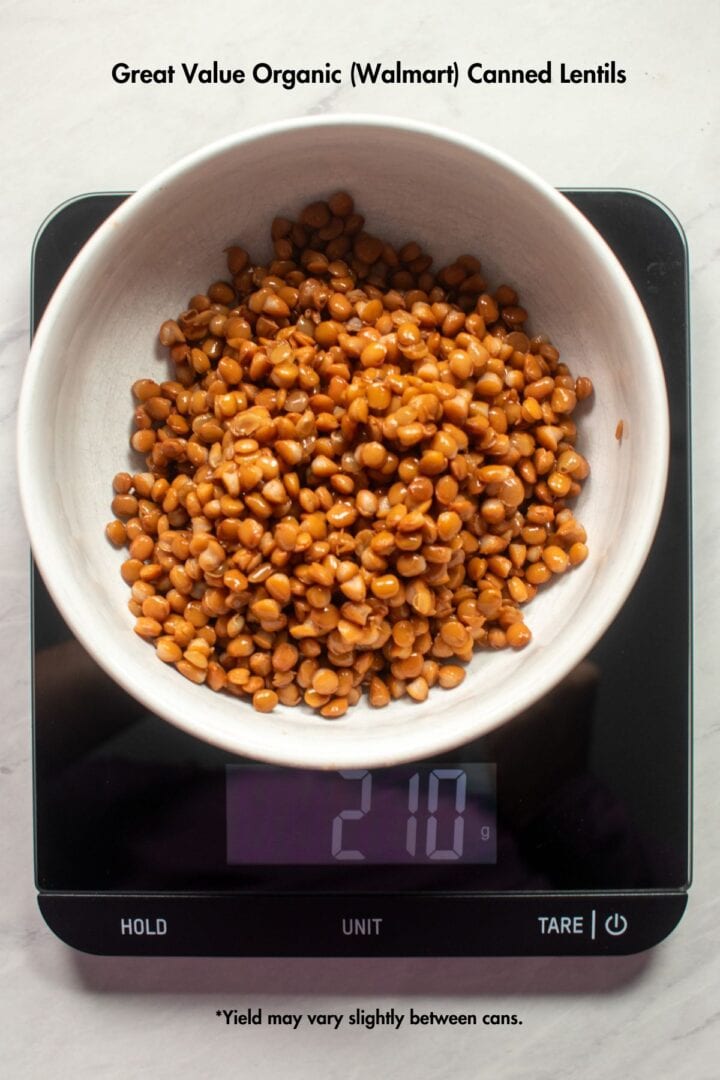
(144, 927)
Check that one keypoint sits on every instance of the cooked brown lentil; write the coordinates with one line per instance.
(358, 473)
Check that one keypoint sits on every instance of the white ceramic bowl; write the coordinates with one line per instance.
(165, 243)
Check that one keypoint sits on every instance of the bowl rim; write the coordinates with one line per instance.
(284, 749)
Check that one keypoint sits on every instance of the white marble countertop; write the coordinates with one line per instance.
(67, 128)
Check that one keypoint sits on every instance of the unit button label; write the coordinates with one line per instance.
(362, 927)
(561, 924)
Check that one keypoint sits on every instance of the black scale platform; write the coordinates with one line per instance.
(566, 831)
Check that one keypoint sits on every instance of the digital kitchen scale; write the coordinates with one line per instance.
(566, 831)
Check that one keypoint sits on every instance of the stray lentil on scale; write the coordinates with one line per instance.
(358, 474)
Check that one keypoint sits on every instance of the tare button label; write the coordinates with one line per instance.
(561, 924)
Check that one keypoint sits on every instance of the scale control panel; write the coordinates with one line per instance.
(363, 925)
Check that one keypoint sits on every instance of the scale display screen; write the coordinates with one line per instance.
(434, 813)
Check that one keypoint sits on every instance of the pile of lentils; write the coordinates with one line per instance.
(359, 472)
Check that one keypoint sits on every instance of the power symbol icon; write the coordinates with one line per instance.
(616, 924)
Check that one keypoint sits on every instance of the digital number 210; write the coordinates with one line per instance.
(432, 851)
